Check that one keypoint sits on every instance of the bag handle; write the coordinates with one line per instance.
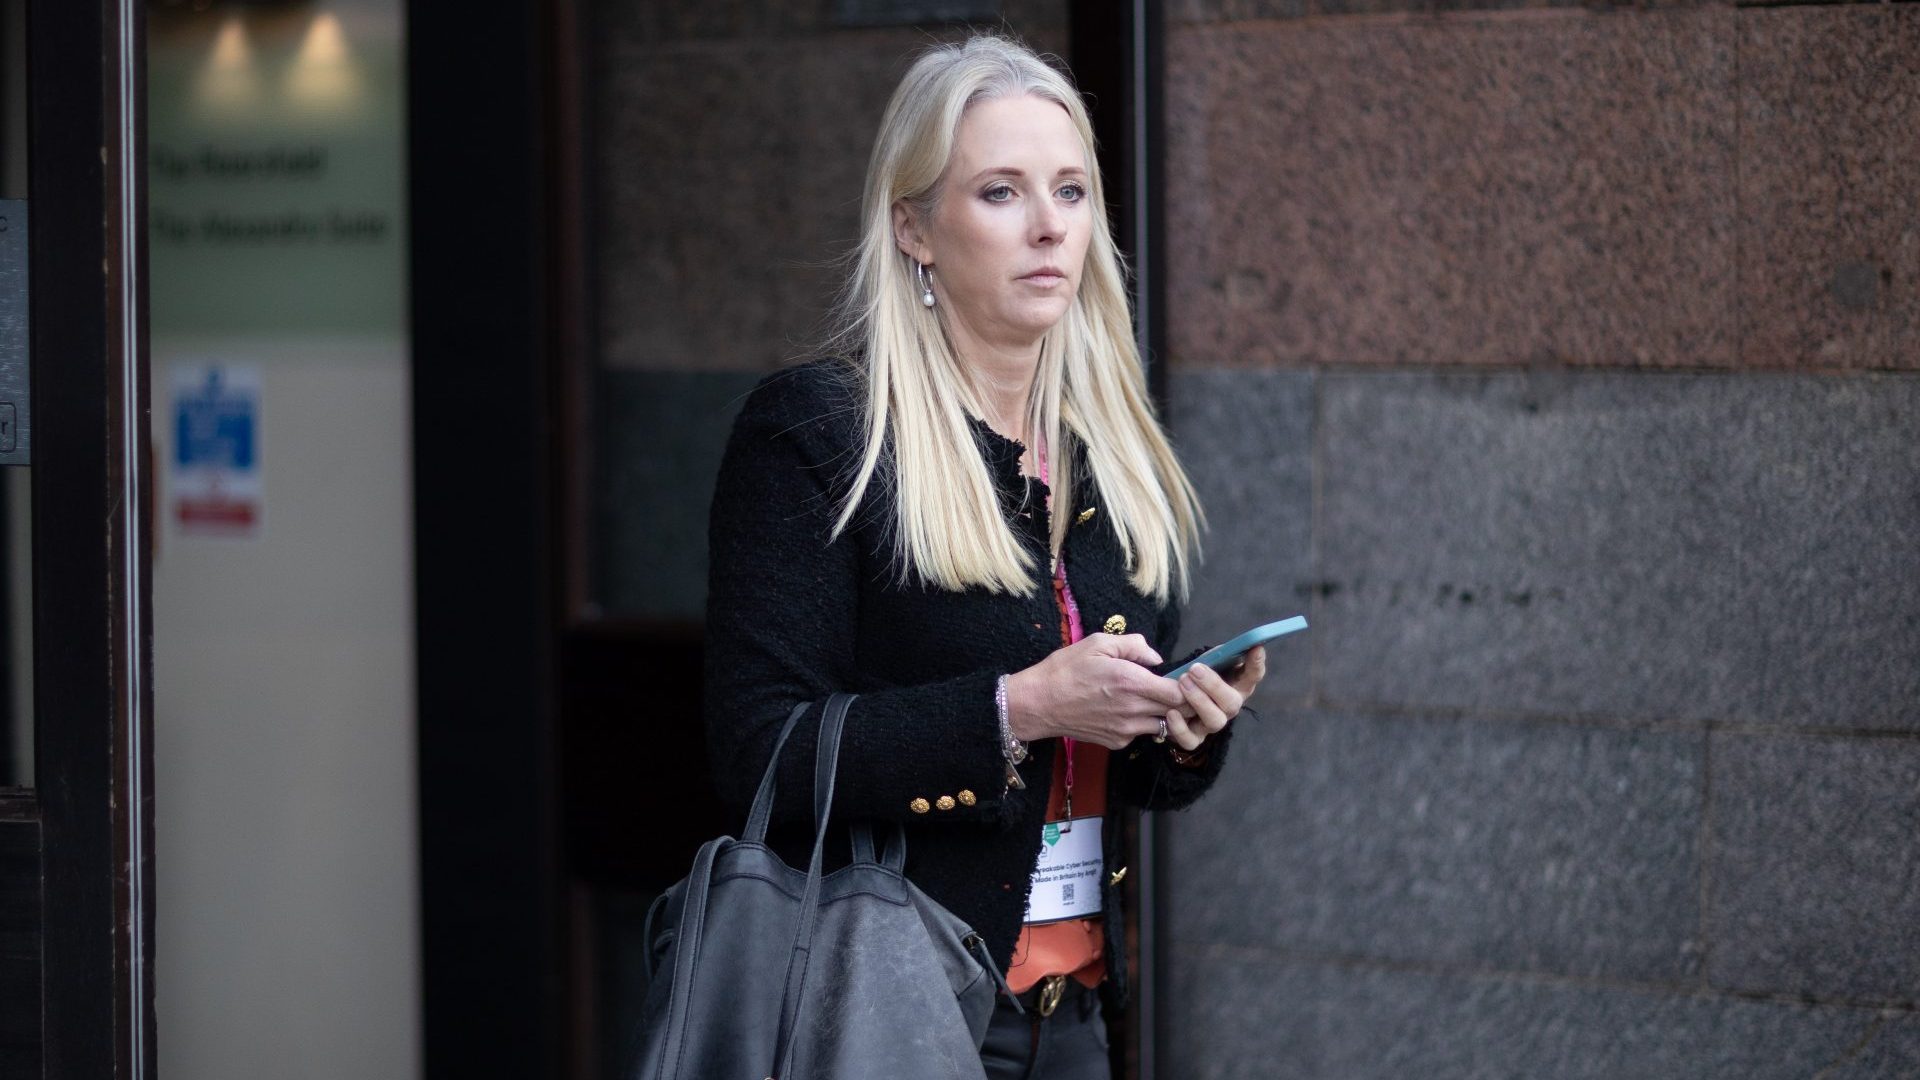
(762, 811)
(894, 857)
(826, 764)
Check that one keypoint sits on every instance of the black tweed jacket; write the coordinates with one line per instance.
(791, 617)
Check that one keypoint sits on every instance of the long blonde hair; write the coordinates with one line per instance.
(949, 527)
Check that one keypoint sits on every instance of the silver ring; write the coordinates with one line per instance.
(1162, 737)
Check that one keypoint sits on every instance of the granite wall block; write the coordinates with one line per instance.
(1204, 11)
(1660, 546)
(1813, 878)
(727, 179)
(1567, 849)
(660, 438)
(1246, 440)
(1892, 1050)
(1247, 1015)
(1181, 12)
(643, 22)
(1557, 186)
(1829, 243)
(726, 174)
(653, 21)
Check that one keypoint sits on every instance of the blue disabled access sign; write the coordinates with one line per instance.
(216, 488)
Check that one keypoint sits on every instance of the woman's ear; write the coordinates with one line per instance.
(906, 233)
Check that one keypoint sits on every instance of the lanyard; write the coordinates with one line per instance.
(1061, 598)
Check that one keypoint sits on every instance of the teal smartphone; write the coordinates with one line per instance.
(1221, 655)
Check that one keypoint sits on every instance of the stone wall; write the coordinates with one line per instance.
(1560, 364)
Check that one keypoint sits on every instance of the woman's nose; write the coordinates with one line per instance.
(1049, 223)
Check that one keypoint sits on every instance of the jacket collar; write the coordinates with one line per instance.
(1002, 454)
(1003, 460)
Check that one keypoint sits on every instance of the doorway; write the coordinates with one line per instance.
(585, 321)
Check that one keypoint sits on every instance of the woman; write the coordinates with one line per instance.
(970, 517)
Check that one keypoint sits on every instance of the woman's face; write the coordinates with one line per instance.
(1008, 238)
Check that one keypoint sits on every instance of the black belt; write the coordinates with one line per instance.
(1047, 995)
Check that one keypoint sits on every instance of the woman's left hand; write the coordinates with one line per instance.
(1213, 699)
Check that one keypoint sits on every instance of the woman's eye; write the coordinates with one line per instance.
(1073, 192)
(999, 193)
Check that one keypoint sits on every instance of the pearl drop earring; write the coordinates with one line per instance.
(926, 285)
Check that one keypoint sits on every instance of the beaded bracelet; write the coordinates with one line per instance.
(1014, 749)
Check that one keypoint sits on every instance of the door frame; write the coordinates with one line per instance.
(92, 618)
(481, 310)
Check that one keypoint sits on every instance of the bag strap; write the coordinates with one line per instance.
(826, 764)
(693, 924)
(762, 811)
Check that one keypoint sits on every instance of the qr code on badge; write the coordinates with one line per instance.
(1066, 893)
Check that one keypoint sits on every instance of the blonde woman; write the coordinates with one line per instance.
(969, 515)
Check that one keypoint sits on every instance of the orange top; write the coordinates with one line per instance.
(1071, 946)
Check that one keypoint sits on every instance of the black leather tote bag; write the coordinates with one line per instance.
(758, 970)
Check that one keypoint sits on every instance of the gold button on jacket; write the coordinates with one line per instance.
(944, 802)
(966, 797)
(1115, 624)
(919, 806)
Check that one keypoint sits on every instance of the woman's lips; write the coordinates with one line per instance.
(1044, 279)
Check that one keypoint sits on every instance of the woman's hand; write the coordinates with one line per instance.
(1210, 699)
(1098, 689)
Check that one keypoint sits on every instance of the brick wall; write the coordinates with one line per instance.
(1560, 363)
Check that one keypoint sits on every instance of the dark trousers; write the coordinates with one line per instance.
(1071, 1044)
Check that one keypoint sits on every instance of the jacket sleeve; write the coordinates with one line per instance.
(782, 606)
(1143, 774)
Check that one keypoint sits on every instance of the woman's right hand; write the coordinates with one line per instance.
(1101, 689)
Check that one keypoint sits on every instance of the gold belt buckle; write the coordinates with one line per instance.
(1051, 989)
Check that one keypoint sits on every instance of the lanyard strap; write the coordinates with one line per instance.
(1060, 596)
